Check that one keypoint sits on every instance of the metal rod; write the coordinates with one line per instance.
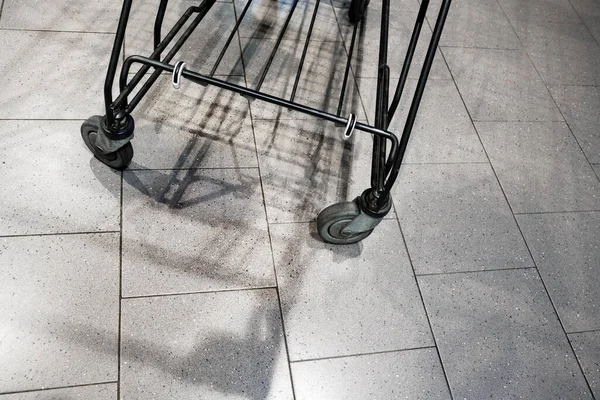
(347, 72)
(435, 40)
(408, 60)
(160, 16)
(230, 38)
(204, 9)
(155, 55)
(379, 146)
(310, 29)
(279, 38)
(114, 60)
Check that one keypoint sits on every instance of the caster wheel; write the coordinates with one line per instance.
(118, 159)
(357, 10)
(332, 221)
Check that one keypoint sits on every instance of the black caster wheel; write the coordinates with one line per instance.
(357, 10)
(332, 221)
(118, 159)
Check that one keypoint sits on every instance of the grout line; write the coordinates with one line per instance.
(519, 227)
(57, 388)
(150, 296)
(43, 119)
(53, 31)
(362, 354)
(479, 47)
(424, 305)
(185, 169)
(474, 271)
(56, 234)
(584, 23)
(556, 212)
(483, 121)
(584, 331)
(120, 289)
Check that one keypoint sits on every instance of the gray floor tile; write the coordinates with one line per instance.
(106, 391)
(51, 183)
(563, 53)
(201, 50)
(475, 23)
(500, 85)
(343, 300)
(211, 346)
(411, 374)
(60, 75)
(265, 20)
(499, 337)
(589, 11)
(62, 15)
(565, 249)
(193, 127)
(587, 349)
(60, 301)
(580, 105)
(443, 131)
(194, 230)
(597, 169)
(306, 166)
(455, 218)
(366, 56)
(320, 83)
(530, 11)
(540, 166)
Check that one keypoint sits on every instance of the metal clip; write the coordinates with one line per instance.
(177, 71)
(349, 127)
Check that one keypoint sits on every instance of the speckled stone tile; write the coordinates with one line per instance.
(540, 166)
(61, 15)
(499, 337)
(455, 218)
(320, 83)
(59, 75)
(475, 23)
(565, 249)
(344, 300)
(410, 374)
(530, 11)
(194, 230)
(51, 182)
(597, 169)
(305, 166)
(225, 345)
(563, 53)
(366, 51)
(500, 85)
(587, 349)
(443, 132)
(589, 11)
(265, 20)
(60, 301)
(107, 391)
(202, 48)
(194, 127)
(580, 105)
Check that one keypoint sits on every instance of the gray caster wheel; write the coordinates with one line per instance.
(332, 221)
(118, 159)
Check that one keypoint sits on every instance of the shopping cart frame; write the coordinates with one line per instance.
(109, 136)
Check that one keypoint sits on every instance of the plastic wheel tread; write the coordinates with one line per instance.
(332, 221)
(118, 159)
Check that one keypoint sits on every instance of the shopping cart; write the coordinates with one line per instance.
(108, 137)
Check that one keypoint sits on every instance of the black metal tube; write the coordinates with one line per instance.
(408, 60)
(435, 40)
(122, 100)
(230, 38)
(379, 146)
(204, 9)
(279, 38)
(114, 60)
(160, 16)
(347, 71)
(304, 51)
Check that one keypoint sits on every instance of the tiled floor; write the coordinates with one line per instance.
(197, 272)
